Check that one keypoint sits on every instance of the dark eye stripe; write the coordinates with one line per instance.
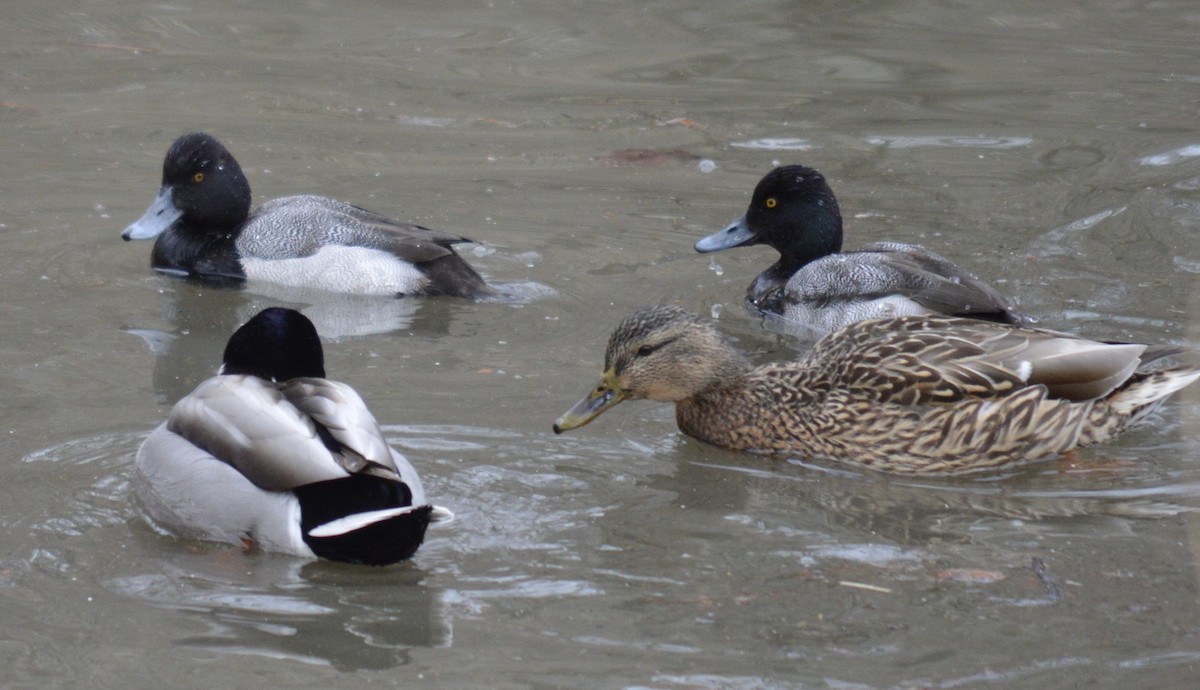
(649, 349)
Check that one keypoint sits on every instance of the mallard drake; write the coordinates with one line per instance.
(816, 284)
(271, 453)
(205, 228)
(915, 395)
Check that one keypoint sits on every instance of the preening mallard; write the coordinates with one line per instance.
(914, 395)
(815, 284)
(271, 453)
(204, 227)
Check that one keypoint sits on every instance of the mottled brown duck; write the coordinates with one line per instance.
(914, 395)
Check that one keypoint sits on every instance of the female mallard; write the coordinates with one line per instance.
(816, 284)
(204, 226)
(271, 453)
(915, 395)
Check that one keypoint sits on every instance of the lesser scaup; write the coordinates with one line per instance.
(816, 284)
(204, 226)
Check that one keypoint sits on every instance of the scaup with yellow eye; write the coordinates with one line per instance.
(817, 285)
(205, 228)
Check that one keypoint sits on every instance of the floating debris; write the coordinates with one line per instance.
(774, 144)
(683, 121)
(975, 576)
(979, 141)
(865, 586)
(648, 156)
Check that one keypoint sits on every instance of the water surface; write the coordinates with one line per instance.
(1052, 150)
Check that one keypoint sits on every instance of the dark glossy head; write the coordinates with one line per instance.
(206, 182)
(203, 189)
(793, 210)
(278, 344)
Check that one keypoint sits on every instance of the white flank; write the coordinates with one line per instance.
(338, 268)
(295, 540)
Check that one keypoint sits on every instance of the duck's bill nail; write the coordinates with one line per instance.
(160, 216)
(593, 405)
(736, 234)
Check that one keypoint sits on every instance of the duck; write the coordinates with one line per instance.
(203, 227)
(915, 395)
(818, 286)
(272, 455)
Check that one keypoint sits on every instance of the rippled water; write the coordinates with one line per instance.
(585, 146)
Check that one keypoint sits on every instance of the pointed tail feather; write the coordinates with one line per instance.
(1150, 390)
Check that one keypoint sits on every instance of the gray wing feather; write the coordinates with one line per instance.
(246, 422)
(338, 408)
(889, 268)
(298, 226)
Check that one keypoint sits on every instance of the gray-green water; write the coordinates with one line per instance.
(1052, 149)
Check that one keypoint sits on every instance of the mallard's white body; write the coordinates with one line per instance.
(228, 462)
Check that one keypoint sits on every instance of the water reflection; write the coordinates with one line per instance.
(319, 613)
(202, 318)
(330, 614)
(203, 314)
(775, 144)
(906, 512)
(1179, 155)
(978, 141)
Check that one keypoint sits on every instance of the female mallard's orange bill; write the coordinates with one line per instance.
(602, 397)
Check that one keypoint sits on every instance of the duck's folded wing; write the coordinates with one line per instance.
(360, 227)
(246, 422)
(299, 226)
(927, 278)
(338, 408)
(934, 359)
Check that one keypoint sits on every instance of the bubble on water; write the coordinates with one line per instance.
(715, 267)
(707, 165)
(715, 311)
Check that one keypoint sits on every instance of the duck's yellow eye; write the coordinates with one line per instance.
(770, 202)
(199, 177)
